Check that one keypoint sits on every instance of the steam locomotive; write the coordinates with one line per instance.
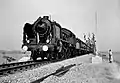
(47, 39)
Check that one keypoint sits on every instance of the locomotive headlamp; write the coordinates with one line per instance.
(47, 40)
(45, 48)
(28, 41)
(25, 48)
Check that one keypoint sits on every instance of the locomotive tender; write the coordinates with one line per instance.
(46, 38)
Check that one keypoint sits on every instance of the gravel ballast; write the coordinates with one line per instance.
(32, 75)
(89, 73)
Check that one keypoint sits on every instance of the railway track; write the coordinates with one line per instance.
(12, 68)
(17, 67)
(14, 64)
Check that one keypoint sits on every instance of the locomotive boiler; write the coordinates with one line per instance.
(47, 39)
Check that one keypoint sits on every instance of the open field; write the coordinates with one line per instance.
(14, 54)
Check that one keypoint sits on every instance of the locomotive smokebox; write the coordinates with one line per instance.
(42, 26)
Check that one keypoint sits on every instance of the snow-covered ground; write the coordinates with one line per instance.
(32, 75)
(85, 73)
(24, 59)
(89, 73)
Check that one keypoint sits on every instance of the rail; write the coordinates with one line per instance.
(60, 72)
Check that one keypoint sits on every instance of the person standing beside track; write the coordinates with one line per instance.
(110, 56)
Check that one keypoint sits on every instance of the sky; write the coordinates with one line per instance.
(75, 15)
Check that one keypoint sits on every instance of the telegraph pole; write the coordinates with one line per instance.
(96, 22)
(95, 47)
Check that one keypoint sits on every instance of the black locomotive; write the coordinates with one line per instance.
(46, 38)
